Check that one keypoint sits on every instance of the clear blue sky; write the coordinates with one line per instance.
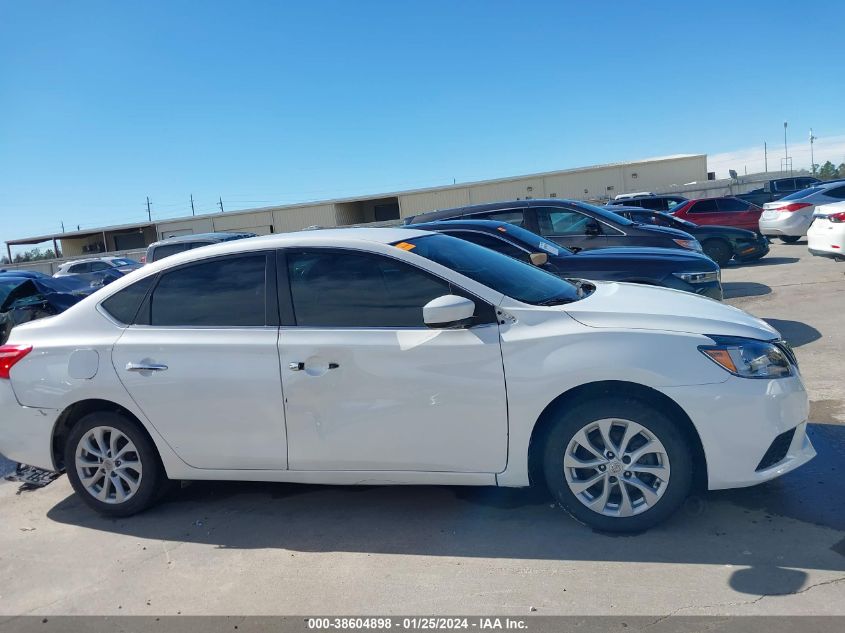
(104, 103)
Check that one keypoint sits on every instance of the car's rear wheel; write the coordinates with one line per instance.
(618, 465)
(789, 239)
(718, 250)
(113, 465)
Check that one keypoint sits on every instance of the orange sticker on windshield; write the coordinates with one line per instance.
(405, 246)
(502, 229)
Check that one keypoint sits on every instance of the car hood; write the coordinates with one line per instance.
(666, 231)
(637, 253)
(635, 306)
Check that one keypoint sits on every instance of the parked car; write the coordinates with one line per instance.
(777, 188)
(719, 243)
(122, 265)
(826, 235)
(790, 217)
(30, 296)
(180, 243)
(650, 201)
(575, 225)
(407, 357)
(727, 211)
(666, 267)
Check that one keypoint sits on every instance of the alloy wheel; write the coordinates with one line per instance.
(616, 467)
(108, 465)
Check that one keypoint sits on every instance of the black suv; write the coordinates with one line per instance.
(576, 225)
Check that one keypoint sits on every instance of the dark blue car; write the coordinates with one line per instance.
(667, 267)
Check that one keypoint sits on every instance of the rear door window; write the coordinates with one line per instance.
(166, 250)
(787, 184)
(224, 292)
(731, 205)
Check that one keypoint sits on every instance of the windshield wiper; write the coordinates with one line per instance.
(556, 301)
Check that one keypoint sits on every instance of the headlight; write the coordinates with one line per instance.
(693, 245)
(748, 358)
(699, 278)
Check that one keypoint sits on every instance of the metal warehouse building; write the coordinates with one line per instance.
(599, 182)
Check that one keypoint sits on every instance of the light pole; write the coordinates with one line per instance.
(812, 161)
(785, 150)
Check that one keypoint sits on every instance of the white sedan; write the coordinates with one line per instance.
(398, 356)
(826, 235)
(790, 217)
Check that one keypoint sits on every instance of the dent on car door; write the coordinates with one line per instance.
(369, 387)
(200, 361)
(570, 228)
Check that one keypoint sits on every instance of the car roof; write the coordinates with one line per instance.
(219, 236)
(85, 260)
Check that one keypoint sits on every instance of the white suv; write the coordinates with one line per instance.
(398, 356)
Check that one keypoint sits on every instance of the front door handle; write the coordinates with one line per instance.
(145, 367)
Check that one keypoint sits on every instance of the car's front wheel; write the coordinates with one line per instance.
(113, 465)
(790, 239)
(618, 464)
(718, 250)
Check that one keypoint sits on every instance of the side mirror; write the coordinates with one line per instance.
(593, 228)
(539, 259)
(448, 311)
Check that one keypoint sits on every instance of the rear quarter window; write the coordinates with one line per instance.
(123, 305)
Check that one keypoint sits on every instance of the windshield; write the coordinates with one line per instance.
(605, 214)
(671, 219)
(803, 193)
(521, 281)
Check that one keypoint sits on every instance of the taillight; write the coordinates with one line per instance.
(795, 206)
(143, 259)
(9, 356)
(837, 217)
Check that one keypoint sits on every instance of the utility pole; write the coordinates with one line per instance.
(192, 205)
(812, 160)
(220, 202)
(63, 226)
(765, 157)
(149, 213)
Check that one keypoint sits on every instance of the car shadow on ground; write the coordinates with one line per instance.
(767, 532)
(736, 289)
(796, 333)
(765, 261)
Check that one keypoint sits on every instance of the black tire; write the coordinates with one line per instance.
(718, 250)
(789, 239)
(152, 481)
(664, 428)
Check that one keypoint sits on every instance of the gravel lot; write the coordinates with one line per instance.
(287, 549)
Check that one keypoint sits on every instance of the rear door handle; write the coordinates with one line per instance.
(145, 367)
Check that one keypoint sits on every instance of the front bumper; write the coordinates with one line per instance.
(739, 419)
(751, 250)
(787, 223)
(26, 433)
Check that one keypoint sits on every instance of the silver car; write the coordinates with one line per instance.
(791, 216)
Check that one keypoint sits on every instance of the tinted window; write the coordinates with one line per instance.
(704, 206)
(124, 304)
(801, 183)
(96, 266)
(166, 250)
(344, 289)
(657, 204)
(513, 278)
(787, 184)
(836, 192)
(562, 222)
(511, 217)
(224, 292)
(79, 268)
(493, 242)
(730, 205)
